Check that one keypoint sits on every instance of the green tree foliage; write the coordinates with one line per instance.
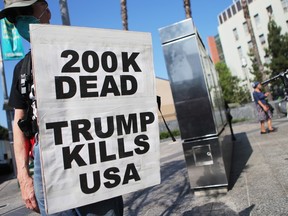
(277, 49)
(3, 133)
(232, 92)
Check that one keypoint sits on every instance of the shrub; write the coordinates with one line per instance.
(165, 134)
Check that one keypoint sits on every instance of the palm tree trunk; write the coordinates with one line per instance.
(187, 7)
(252, 35)
(124, 14)
(64, 12)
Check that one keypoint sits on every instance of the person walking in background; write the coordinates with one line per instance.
(22, 13)
(263, 109)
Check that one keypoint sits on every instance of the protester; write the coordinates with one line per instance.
(22, 13)
(262, 107)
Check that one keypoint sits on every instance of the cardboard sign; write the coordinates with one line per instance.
(97, 113)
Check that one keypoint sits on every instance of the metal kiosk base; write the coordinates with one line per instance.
(208, 163)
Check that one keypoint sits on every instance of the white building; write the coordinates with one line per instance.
(235, 39)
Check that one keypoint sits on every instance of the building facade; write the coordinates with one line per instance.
(215, 48)
(235, 37)
(163, 89)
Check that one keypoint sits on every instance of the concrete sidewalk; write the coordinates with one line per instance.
(258, 183)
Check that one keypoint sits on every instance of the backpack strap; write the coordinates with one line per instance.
(28, 124)
(159, 108)
(26, 76)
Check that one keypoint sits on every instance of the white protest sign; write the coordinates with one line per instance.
(97, 113)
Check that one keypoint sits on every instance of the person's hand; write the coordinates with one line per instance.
(266, 108)
(28, 194)
(267, 93)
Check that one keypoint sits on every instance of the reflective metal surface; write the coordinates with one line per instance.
(193, 80)
(208, 161)
(199, 106)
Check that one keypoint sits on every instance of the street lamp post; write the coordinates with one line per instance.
(9, 112)
(245, 69)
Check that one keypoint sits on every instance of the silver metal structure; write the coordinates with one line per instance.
(199, 106)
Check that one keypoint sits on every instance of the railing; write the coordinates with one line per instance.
(283, 77)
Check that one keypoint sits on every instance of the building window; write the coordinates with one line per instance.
(233, 9)
(229, 12)
(267, 59)
(224, 16)
(220, 19)
(269, 11)
(285, 5)
(235, 32)
(239, 6)
(250, 45)
(257, 20)
(262, 39)
(246, 30)
(287, 23)
(240, 52)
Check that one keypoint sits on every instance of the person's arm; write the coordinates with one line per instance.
(258, 101)
(22, 161)
(265, 107)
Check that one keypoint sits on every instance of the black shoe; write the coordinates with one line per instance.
(271, 131)
(263, 132)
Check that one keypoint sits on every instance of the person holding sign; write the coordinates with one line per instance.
(22, 13)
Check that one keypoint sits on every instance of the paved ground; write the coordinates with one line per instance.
(258, 183)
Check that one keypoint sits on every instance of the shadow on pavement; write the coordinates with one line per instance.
(217, 208)
(168, 195)
(174, 193)
(213, 208)
(242, 151)
(247, 211)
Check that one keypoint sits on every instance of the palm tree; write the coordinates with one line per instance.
(124, 14)
(187, 9)
(252, 35)
(64, 12)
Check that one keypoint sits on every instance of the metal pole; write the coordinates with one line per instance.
(245, 69)
(64, 12)
(8, 111)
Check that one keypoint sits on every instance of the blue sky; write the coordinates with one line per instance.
(144, 16)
